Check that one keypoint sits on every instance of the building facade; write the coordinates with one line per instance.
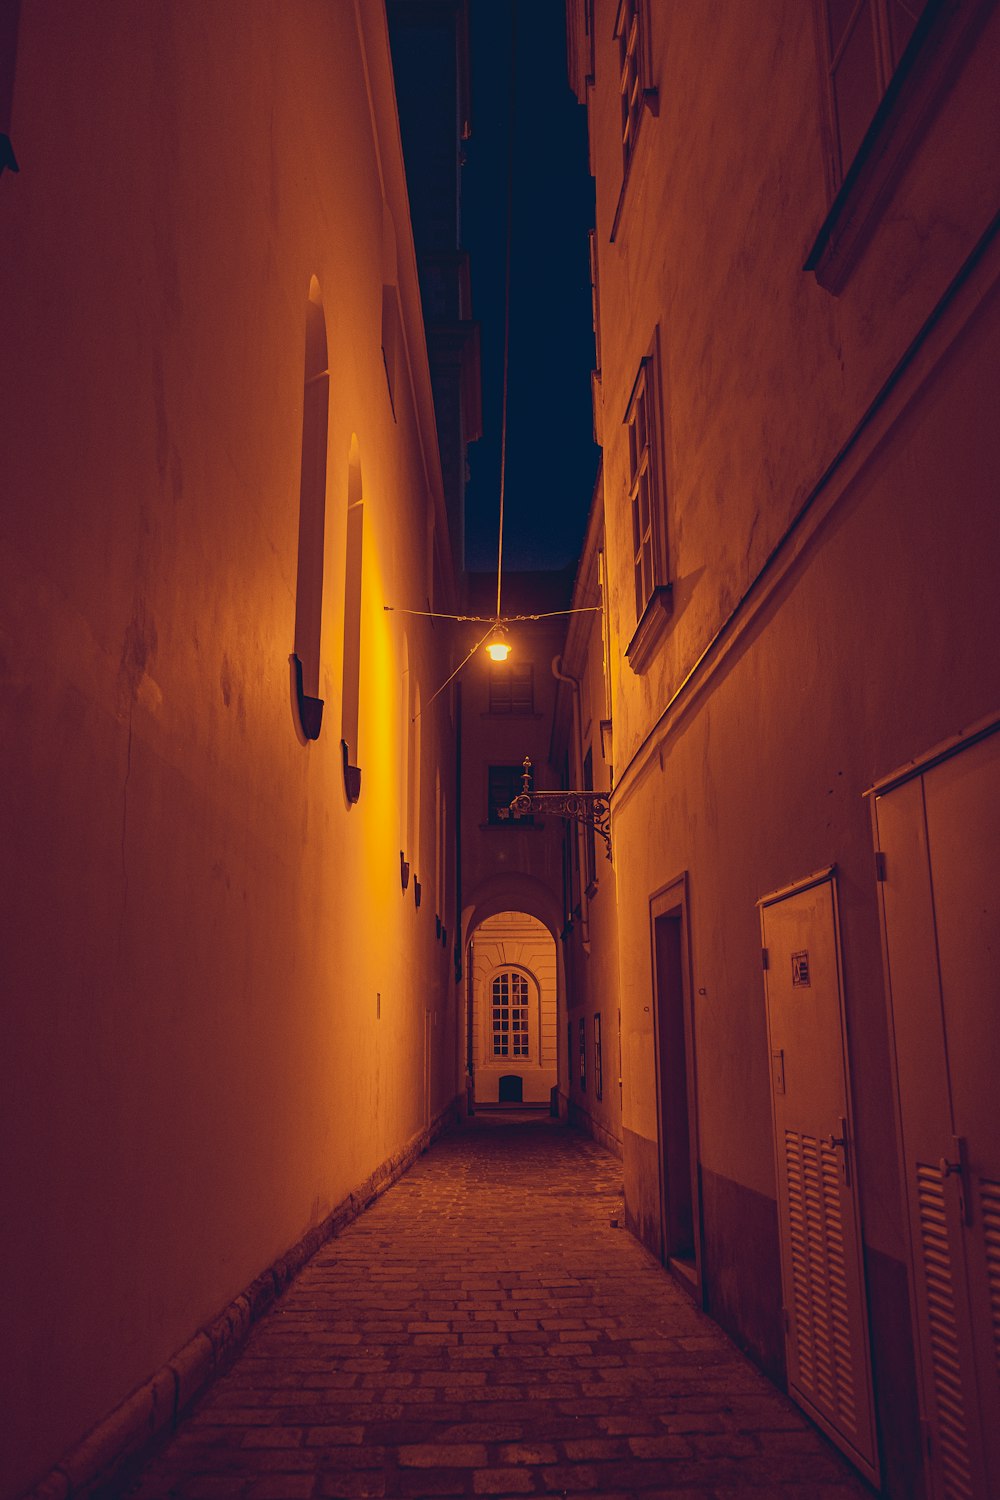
(509, 865)
(228, 1019)
(795, 271)
(592, 1074)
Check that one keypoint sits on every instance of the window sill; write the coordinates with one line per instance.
(651, 628)
(925, 72)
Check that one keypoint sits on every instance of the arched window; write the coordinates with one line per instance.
(350, 695)
(405, 735)
(413, 776)
(510, 1014)
(312, 518)
(438, 846)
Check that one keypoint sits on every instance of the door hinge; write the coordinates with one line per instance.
(879, 865)
(786, 1320)
(925, 1433)
(764, 959)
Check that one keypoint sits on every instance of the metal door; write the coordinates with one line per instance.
(939, 840)
(826, 1325)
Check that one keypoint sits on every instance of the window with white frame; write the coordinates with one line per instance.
(628, 33)
(864, 41)
(644, 490)
(510, 1012)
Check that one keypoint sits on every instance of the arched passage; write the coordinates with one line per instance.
(507, 891)
(513, 983)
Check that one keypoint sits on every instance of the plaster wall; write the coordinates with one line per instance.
(590, 939)
(764, 782)
(809, 651)
(764, 373)
(221, 1010)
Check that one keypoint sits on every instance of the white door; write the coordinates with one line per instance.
(826, 1328)
(939, 837)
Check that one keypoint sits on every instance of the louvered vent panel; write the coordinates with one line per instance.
(938, 1277)
(989, 1197)
(819, 1279)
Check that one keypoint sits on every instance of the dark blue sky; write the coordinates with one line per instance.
(551, 458)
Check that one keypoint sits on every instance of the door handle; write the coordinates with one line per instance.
(839, 1143)
(959, 1168)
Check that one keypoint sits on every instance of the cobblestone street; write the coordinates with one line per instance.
(483, 1330)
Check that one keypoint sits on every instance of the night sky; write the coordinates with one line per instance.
(551, 457)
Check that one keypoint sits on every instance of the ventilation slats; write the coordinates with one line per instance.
(822, 1329)
(989, 1197)
(945, 1356)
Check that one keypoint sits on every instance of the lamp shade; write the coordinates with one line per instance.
(498, 647)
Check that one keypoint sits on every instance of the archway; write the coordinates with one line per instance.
(513, 980)
(503, 893)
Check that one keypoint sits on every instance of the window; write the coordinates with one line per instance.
(583, 1054)
(647, 497)
(865, 40)
(595, 299)
(642, 493)
(589, 837)
(351, 685)
(510, 1014)
(629, 36)
(634, 85)
(512, 688)
(598, 1059)
(504, 783)
(889, 64)
(312, 518)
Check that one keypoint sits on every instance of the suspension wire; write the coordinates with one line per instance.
(437, 693)
(545, 614)
(506, 318)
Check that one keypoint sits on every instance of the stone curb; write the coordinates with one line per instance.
(130, 1430)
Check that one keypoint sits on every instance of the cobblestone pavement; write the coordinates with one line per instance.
(482, 1330)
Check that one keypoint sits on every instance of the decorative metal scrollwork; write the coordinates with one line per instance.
(592, 809)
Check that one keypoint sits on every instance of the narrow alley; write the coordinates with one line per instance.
(499, 542)
(484, 1330)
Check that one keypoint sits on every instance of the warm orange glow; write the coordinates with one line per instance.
(497, 647)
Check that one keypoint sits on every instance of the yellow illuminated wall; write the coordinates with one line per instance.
(222, 1011)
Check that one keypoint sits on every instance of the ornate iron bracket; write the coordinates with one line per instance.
(592, 809)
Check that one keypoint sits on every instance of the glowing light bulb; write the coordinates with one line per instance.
(497, 648)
